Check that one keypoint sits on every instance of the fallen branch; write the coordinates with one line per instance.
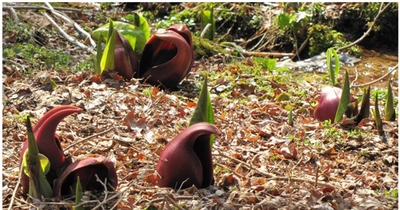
(303, 45)
(33, 7)
(89, 137)
(369, 29)
(65, 35)
(16, 188)
(14, 15)
(70, 21)
(264, 54)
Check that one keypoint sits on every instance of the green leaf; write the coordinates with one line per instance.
(390, 114)
(35, 166)
(141, 22)
(283, 20)
(291, 117)
(204, 111)
(107, 59)
(78, 195)
(344, 99)
(136, 37)
(377, 115)
(53, 84)
(44, 163)
(207, 17)
(333, 72)
(99, 55)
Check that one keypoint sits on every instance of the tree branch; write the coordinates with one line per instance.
(368, 31)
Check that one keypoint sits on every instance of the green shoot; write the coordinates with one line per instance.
(204, 111)
(78, 195)
(390, 114)
(344, 99)
(36, 166)
(333, 73)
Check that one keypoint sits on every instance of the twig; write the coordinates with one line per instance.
(298, 180)
(14, 15)
(355, 78)
(264, 54)
(69, 38)
(89, 137)
(316, 177)
(40, 8)
(70, 21)
(173, 202)
(272, 176)
(105, 200)
(16, 187)
(303, 45)
(266, 203)
(369, 29)
(377, 80)
(259, 42)
(249, 166)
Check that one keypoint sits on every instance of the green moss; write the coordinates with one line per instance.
(205, 47)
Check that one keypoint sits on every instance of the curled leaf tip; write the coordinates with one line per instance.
(186, 160)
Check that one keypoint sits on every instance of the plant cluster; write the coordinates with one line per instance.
(47, 172)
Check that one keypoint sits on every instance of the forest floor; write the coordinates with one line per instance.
(260, 161)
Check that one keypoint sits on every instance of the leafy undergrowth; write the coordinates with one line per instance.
(260, 161)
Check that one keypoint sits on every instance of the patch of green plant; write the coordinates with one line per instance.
(147, 92)
(323, 37)
(392, 193)
(382, 93)
(21, 31)
(355, 132)
(267, 63)
(296, 21)
(364, 152)
(205, 47)
(37, 57)
(84, 65)
(333, 134)
(188, 17)
(274, 158)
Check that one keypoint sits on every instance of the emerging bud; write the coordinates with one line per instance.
(328, 104)
(186, 160)
(48, 143)
(125, 59)
(87, 169)
(167, 57)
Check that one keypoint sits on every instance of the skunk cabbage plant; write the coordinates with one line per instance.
(328, 104)
(167, 57)
(125, 59)
(48, 143)
(87, 169)
(36, 166)
(62, 174)
(186, 160)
